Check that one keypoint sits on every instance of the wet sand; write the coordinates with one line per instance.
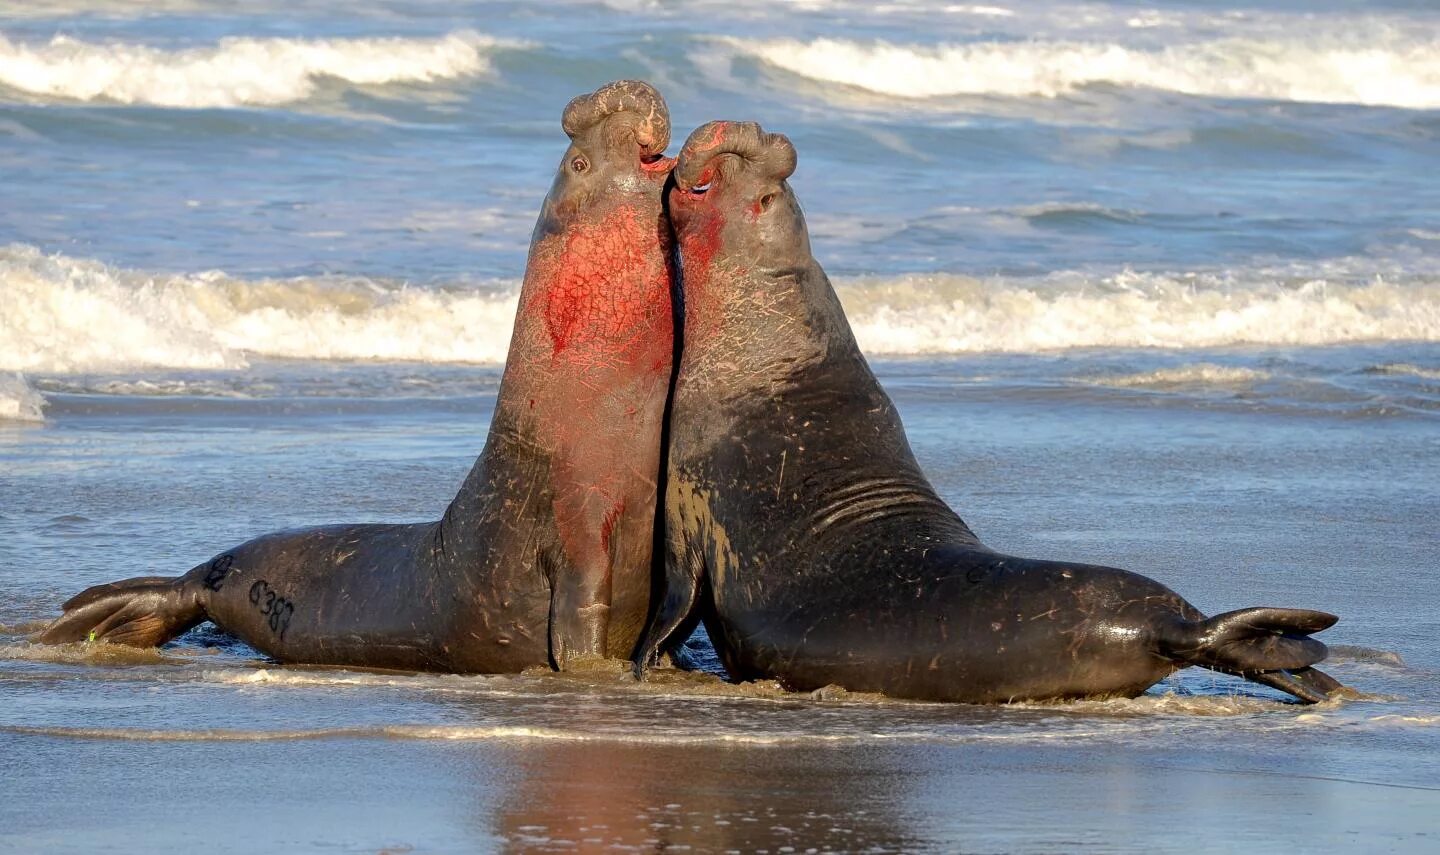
(370, 796)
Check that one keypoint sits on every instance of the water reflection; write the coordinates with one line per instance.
(628, 797)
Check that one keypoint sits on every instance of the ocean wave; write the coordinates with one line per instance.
(1197, 374)
(1384, 67)
(1369, 655)
(236, 71)
(1405, 369)
(66, 315)
(932, 314)
(1067, 212)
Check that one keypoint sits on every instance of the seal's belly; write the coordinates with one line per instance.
(988, 628)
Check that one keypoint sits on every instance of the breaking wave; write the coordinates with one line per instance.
(933, 314)
(1383, 67)
(1198, 374)
(235, 71)
(67, 315)
(1405, 369)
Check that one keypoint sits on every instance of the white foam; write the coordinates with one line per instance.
(19, 402)
(984, 11)
(68, 315)
(925, 314)
(1406, 368)
(1384, 66)
(235, 71)
(1197, 374)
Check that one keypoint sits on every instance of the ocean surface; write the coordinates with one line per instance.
(1154, 284)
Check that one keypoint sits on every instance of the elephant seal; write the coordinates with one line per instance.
(799, 527)
(545, 553)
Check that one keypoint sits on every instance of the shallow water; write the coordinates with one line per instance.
(1230, 505)
(1153, 284)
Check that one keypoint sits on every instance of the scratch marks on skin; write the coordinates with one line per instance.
(591, 362)
(766, 304)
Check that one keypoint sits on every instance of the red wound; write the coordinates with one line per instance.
(607, 289)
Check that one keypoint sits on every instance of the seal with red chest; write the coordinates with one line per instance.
(799, 527)
(545, 553)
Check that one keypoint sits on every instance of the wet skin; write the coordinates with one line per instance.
(545, 553)
(799, 527)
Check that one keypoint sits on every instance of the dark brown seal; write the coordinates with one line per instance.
(800, 528)
(545, 554)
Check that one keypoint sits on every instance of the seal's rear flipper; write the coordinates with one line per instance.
(1269, 646)
(143, 612)
(1307, 684)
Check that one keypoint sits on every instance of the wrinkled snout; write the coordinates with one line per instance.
(727, 149)
(626, 111)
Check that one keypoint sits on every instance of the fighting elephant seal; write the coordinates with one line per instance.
(800, 528)
(545, 553)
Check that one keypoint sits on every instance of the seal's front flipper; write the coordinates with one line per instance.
(576, 631)
(1266, 645)
(579, 608)
(143, 612)
(677, 597)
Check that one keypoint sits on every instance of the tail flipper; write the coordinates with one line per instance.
(1307, 684)
(143, 612)
(1266, 645)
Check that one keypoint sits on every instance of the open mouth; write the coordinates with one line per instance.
(654, 163)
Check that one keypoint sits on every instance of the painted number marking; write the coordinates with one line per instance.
(219, 569)
(276, 608)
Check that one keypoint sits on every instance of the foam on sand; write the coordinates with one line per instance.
(1385, 67)
(235, 71)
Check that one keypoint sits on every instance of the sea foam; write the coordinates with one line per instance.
(946, 313)
(1387, 67)
(236, 71)
(18, 401)
(68, 315)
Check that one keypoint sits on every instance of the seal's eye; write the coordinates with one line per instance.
(579, 164)
(766, 200)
